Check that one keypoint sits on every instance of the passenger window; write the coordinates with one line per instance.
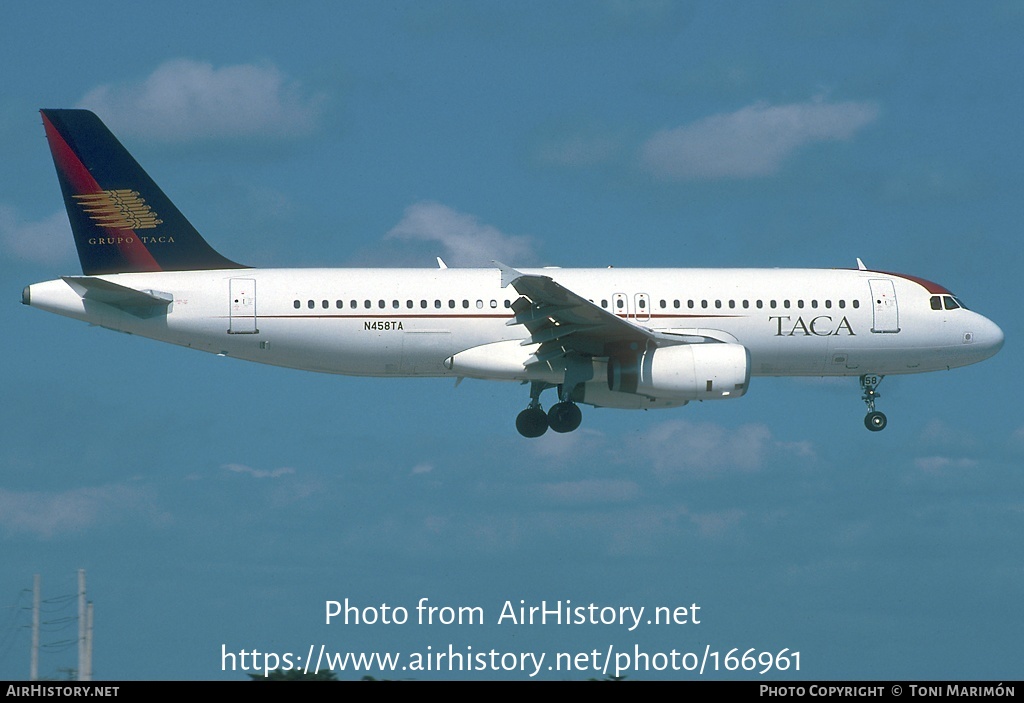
(479, 305)
(297, 305)
(494, 304)
(642, 304)
(675, 304)
(409, 304)
(367, 304)
(800, 304)
(732, 303)
(856, 303)
(380, 304)
(814, 303)
(451, 304)
(760, 304)
(310, 304)
(842, 303)
(324, 304)
(703, 303)
(746, 304)
(618, 304)
(437, 304)
(828, 304)
(465, 304)
(353, 304)
(423, 304)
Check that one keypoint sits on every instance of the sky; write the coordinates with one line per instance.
(219, 506)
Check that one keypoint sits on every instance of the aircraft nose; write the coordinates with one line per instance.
(988, 337)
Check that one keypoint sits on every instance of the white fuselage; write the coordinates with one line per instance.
(408, 322)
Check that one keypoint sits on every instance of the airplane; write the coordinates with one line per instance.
(604, 337)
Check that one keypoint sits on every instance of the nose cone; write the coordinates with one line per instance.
(988, 338)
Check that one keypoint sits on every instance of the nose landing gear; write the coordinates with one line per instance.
(874, 420)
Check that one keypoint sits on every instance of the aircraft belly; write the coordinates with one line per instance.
(790, 357)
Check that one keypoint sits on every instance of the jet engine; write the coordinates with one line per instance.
(683, 372)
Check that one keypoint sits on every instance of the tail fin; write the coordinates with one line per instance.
(122, 221)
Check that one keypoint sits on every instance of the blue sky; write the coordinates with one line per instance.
(215, 502)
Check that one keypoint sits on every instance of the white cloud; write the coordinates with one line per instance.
(185, 100)
(46, 241)
(939, 433)
(48, 514)
(937, 464)
(422, 468)
(1017, 437)
(681, 448)
(465, 240)
(718, 524)
(590, 491)
(258, 473)
(559, 448)
(578, 151)
(753, 141)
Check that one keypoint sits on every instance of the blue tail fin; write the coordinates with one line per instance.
(122, 221)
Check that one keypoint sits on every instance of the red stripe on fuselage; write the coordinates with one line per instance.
(933, 288)
(82, 183)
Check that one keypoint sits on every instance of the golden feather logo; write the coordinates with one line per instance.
(118, 209)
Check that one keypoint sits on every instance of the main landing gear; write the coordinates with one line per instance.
(874, 420)
(563, 416)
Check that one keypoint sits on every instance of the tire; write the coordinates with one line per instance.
(564, 417)
(532, 422)
(875, 421)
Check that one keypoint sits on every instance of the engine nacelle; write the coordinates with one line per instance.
(685, 372)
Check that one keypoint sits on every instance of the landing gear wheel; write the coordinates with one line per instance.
(875, 421)
(564, 417)
(532, 422)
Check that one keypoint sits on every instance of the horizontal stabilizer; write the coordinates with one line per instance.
(140, 303)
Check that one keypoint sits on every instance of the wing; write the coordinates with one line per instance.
(562, 322)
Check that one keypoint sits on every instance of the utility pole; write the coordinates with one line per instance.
(33, 672)
(88, 643)
(81, 626)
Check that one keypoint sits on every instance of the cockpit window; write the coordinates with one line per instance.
(948, 302)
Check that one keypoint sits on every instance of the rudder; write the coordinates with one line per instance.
(121, 220)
